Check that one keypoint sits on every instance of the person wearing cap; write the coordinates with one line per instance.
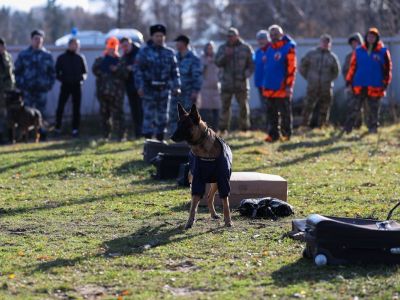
(260, 58)
(368, 77)
(280, 74)
(210, 100)
(190, 71)
(35, 73)
(319, 67)
(156, 77)
(71, 71)
(110, 90)
(354, 41)
(235, 58)
(130, 50)
(7, 82)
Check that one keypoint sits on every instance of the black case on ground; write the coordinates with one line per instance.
(152, 147)
(167, 165)
(183, 175)
(350, 240)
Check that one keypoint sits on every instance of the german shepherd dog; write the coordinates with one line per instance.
(210, 161)
(21, 116)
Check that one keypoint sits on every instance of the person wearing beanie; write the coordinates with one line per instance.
(354, 40)
(368, 77)
(71, 71)
(191, 80)
(110, 90)
(260, 58)
(7, 82)
(235, 59)
(35, 74)
(156, 78)
(319, 67)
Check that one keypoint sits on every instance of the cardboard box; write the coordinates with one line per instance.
(252, 185)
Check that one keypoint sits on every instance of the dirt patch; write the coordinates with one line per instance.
(92, 291)
(180, 291)
(185, 266)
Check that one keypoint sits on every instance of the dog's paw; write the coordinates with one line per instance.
(189, 224)
(216, 217)
(228, 223)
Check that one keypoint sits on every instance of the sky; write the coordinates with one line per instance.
(26, 5)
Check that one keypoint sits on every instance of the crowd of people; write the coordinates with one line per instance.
(156, 77)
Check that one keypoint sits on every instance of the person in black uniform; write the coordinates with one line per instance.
(71, 71)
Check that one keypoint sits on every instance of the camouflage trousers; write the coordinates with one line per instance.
(242, 98)
(155, 111)
(37, 100)
(112, 115)
(356, 102)
(322, 97)
(186, 102)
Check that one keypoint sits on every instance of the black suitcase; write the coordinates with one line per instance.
(167, 165)
(152, 147)
(333, 240)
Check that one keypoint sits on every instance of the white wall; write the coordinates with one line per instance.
(340, 47)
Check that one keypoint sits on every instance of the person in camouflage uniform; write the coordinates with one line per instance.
(320, 67)
(35, 73)
(130, 50)
(7, 82)
(191, 80)
(110, 89)
(156, 77)
(354, 41)
(235, 58)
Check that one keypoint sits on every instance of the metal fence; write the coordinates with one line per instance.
(340, 47)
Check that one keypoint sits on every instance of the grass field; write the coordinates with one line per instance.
(84, 219)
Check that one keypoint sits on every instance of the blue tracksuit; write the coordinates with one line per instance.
(208, 170)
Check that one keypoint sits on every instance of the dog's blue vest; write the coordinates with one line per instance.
(209, 170)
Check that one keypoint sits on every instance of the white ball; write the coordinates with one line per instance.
(320, 260)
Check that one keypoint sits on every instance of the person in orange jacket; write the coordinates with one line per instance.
(368, 77)
(280, 73)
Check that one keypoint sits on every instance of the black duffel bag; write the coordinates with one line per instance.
(267, 207)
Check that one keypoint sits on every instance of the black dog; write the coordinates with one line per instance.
(22, 117)
(210, 161)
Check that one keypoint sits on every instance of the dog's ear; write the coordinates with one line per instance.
(194, 113)
(181, 111)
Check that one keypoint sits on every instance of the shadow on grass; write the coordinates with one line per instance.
(132, 167)
(46, 158)
(140, 241)
(66, 203)
(56, 145)
(308, 144)
(244, 145)
(304, 270)
(302, 158)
